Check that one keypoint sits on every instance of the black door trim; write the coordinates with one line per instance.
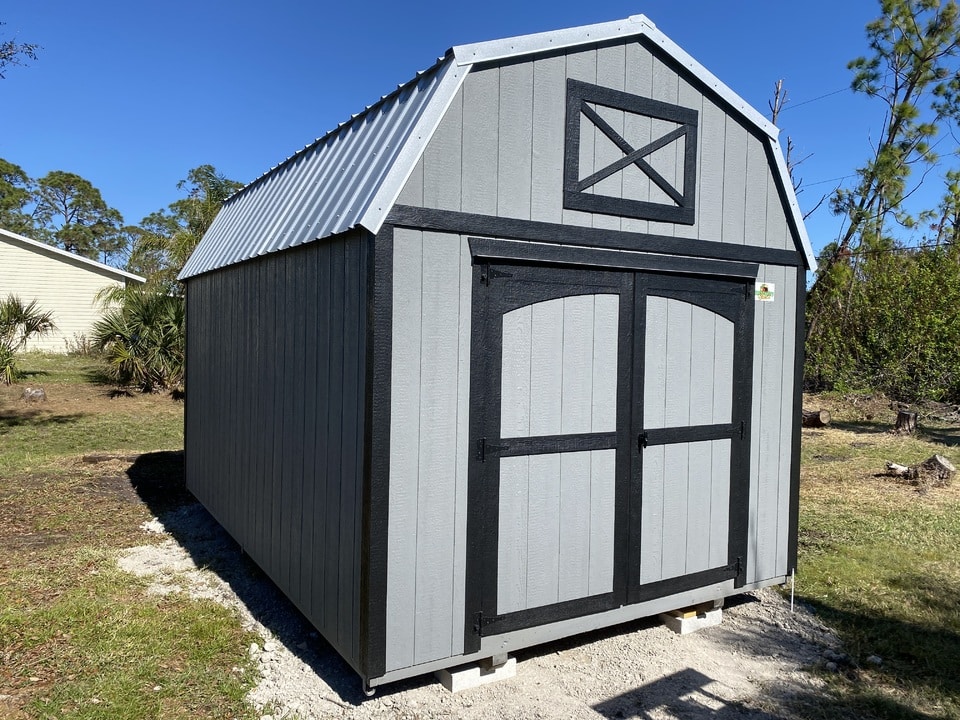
(523, 251)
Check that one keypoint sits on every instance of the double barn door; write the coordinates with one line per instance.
(609, 416)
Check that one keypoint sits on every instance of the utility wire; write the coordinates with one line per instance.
(790, 106)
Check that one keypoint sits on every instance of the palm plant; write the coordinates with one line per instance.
(19, 322)
(141, 335)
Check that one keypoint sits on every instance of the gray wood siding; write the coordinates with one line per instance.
(428, 447)
(772, 426)
(558, 376)
(275, 420)
(499, 151)
(556, 528)
(688, 380)
(559, 367)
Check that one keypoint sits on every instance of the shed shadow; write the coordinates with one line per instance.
(35, 417)
(158, 479)
(684, 694)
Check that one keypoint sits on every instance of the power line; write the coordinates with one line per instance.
(790, 106)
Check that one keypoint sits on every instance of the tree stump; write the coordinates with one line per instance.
(815, 418)
(906, 422)
(935, 471)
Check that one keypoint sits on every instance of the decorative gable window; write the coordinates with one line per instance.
(629, 155)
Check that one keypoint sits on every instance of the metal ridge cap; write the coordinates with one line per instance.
(504, 48)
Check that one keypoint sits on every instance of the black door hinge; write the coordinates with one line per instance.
(488, 273)
(478, 622)
(742, 428)
(641, 441)
(483, 447)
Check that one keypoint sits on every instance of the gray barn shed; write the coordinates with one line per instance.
(513, 354)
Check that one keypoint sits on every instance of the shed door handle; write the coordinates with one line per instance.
(641, 441)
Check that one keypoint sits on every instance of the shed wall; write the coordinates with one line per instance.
(499, 151)
(275, 419)
(65, 288)
(430, 391)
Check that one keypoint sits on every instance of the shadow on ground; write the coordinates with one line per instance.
(35, 418)
(158, 479)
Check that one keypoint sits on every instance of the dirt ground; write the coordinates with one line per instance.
(748, 667)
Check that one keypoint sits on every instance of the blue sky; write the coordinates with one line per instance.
(132, 95)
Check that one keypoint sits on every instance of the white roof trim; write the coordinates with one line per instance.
(35, 244)
(403, 165)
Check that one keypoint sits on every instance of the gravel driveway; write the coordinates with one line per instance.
(745, 668)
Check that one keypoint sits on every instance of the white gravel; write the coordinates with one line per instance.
(745, 668)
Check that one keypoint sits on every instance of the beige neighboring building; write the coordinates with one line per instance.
(61, 282)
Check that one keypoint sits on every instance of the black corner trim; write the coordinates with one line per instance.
(376, 491)
(557, 234)
(486, 248)
(580, 97)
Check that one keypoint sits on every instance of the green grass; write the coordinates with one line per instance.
(879, 562)
(78, 637)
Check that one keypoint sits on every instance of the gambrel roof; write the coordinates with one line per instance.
(352, 176)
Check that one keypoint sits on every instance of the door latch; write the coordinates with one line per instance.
(641, 441)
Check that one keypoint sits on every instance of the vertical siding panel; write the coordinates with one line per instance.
(638, 81)
(543, 536)
(710, 158)
(722, 370)
(655, 364)
(512, 536)
(611, 66)
(734, 181)
(679, 353)
(755, 202)
(703, 332)
(439, 347)
(699, 495)
(404, 435)
(689, 97)
(333, 520)
(481, 91)
(602, 514)
(278, 417)
(777, 233)
(582, 66)
(311, 304)
(788, 298)
(606, 326)
(651, 514)
(321, 450)
(297, 385)
(665, 88)
(675, 478)
(546, 374)
(515, 384)
(412, 193)
(574, 579)
(287, 318)
(515, 140)
(349, 472)
(719, 502)
(442, 166)
(549, 111)
(577, 363)
(759, 372)
(771, 392)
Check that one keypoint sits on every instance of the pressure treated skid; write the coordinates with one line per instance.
(490, 364)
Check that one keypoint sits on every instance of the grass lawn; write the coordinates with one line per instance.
(879, 560)
(78, 637)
